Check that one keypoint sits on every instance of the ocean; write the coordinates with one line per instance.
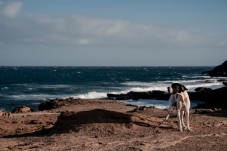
(30, 86)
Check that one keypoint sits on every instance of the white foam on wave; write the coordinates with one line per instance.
(92, 95)
(212, 83)
(33, 96)
(207, 85)
(54, 86)
(135, 83)
(142, 89)
(166, 82)
(43, 86)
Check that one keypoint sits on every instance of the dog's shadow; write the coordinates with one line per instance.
(167, 127)
(72, 122)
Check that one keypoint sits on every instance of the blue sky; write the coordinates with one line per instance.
(113, 32)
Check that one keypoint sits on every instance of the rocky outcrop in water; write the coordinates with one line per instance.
(155, 94)
(209, 98)
(219, 71)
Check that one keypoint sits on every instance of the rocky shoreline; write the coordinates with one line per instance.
(110, 125)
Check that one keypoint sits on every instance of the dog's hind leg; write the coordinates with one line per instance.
(182, 119)
(179, 120)
(187, 120)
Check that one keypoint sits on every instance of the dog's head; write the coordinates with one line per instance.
(176, 88)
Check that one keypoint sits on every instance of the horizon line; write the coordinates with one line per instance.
(105, 66)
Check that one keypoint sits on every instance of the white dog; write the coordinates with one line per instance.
(180, 98)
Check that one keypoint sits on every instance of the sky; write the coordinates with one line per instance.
(113, 32)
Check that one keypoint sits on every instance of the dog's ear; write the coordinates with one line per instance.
(183, 88)
(180, 89)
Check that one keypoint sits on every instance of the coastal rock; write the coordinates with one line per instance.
(219, 71)
(52, 104)
(118, 96)
(5, 114)
(200, 89)
(210, 99)
(155, 94)
(56, 103)
(225, 83)
(23, 109)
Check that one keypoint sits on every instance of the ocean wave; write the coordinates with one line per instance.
(91, 95)
(43, 86)
(142, 89)
(162, 85)
(33, 96)
(136, 83)
(165, 82)
(59, 86)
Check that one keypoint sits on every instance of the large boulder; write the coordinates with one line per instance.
(200, 89)
(52, 104)
(22, 109)
(57, 103)
(219, 71)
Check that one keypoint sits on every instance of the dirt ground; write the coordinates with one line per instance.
(110, 125)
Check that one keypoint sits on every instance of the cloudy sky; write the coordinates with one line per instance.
(113, 32)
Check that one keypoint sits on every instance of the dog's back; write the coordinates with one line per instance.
(184, 98)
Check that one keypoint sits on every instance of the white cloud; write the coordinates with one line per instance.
(12, 9)
(84, 31)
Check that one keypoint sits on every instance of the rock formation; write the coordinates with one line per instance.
(219, 71)
(22, 109)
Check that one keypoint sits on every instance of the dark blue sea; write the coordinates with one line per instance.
(30, 86)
